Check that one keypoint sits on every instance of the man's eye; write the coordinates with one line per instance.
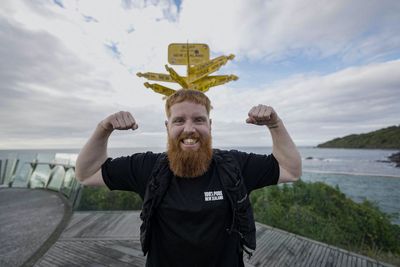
(177, 121)
(199, 120)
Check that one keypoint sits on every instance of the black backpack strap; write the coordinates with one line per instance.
(156, 188)
(242, 215)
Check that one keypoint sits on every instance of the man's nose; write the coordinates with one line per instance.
(189, 127)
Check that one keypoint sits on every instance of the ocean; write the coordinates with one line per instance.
(362, 174)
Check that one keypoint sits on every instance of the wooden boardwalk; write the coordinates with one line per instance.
(112, 239)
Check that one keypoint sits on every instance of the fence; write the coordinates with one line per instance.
(57, 174)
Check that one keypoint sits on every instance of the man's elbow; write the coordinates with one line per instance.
(295, 176)
(290, 175)
(81, 178)
(95, 179)
(79, 175)
(297, 172)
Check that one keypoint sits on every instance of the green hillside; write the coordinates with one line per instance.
(384, 138)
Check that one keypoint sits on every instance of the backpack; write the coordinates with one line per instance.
(233, 186)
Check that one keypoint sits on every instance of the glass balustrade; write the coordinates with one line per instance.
(54, 172)
(21, 179)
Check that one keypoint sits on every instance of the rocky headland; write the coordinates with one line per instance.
(395, 157)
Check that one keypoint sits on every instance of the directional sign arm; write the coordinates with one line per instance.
(176, 77)
(201, 70)
(156, 76)
(210, 81)
(160, 89)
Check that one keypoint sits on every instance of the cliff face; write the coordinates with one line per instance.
(386, 138)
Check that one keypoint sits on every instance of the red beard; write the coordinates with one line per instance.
(189, 163)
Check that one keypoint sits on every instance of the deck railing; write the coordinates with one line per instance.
(57, 174)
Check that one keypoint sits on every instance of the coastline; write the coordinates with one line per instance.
(351, 173)
(395, 158)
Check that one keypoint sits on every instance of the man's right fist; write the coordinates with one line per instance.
(122, 120)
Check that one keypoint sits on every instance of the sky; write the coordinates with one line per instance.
(328, 68)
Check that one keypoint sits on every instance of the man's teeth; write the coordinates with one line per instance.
(189, 141)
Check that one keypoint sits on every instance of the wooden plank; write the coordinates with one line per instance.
(331, 257)
(268, 256)
(317, 254)
(301, 257)
(323, 258)
(98, 254)
(338, 258)
(358, 263)
(260, 231)
(292, 250)
(311, 254)
(281, 251)
(272, 249)
(266, 240)
(353, 261)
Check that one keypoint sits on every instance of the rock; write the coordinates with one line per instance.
(395, 157)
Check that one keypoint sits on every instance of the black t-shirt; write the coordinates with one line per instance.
(190, 223)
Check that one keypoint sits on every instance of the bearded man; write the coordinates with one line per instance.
(196, 210)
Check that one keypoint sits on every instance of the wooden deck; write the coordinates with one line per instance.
(112, 239)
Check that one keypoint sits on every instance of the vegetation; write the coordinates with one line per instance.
(102, 198)
(387, 138)
(323, 213)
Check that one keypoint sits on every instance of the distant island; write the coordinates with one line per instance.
(386, 138)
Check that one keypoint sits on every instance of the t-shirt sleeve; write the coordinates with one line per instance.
(129, 173)
(257, 170)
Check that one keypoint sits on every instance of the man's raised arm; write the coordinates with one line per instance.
(94, 153)
(283, 148)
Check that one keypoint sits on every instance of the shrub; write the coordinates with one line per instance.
(323, 213)
(102, 198)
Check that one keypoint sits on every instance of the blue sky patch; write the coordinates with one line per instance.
(59, 3)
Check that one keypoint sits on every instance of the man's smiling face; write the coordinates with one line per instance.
(189, 124)
(189, 139)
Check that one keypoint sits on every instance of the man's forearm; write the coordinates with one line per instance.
(93, 154)
(284, 150)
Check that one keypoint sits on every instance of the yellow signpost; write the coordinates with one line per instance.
(197, 59)
(178, 54)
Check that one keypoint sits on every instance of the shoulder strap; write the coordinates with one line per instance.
(160, 178)
(242, 215)
(155, 190)
(229, 165)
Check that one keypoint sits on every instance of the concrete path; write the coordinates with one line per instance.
(31, 220)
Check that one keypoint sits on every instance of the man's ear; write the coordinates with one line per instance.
(166, 123)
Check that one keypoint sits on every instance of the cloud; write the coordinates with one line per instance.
(68, 64)
(48, 93)
(276, 30)
(319, 107)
